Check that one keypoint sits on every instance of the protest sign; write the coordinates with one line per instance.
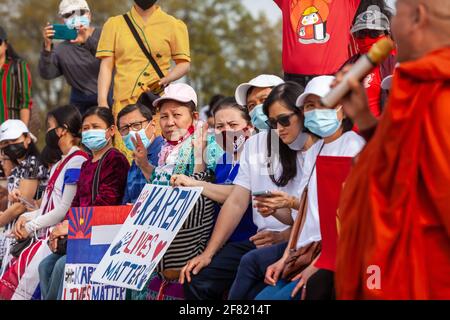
(153, 223)
(91, 231)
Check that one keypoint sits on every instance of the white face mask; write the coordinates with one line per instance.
(299, 142)
(77, 21)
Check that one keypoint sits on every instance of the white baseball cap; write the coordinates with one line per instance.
(319, 86)
(262, 81)
(13, 129)
(180, 92)
(67, 6)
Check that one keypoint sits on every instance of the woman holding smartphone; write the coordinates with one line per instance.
(267, 163)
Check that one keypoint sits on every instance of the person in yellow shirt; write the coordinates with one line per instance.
(164, 36)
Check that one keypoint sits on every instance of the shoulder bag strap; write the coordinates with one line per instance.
(96, 182)
(301, 217)
(143, 47)
(55, 175)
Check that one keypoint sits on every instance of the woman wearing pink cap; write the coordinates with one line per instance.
(185, 140)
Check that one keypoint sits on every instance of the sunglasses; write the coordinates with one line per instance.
(69, 14)
(1, 41)
(283, 120)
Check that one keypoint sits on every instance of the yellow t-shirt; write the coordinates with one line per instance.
(164, 36)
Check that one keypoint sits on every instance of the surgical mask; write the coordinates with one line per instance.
(129, 143)
(94, 140)
(15, 151)
(77, 21)
(259, 119)
(232, 141)
(145, 4)
(299, 142)
(323, 122)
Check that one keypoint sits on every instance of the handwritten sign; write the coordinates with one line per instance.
(153, 223)
(91, 231)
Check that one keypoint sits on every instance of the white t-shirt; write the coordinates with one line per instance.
(254, 176)
(348, 145)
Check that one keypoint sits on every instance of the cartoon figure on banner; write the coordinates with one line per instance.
(138, 203)
(121, 244)
(309, 20)
(69, 275)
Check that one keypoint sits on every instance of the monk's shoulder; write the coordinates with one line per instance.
(441, 101)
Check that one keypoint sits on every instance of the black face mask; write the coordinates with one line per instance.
(52, 139)
(145, 4)
(15, 151)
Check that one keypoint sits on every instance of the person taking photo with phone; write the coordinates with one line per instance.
(73, 58)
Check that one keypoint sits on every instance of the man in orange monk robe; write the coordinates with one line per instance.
(395, 206)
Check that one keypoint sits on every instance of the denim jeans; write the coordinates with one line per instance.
(51, 276)
(281, 291)
(249, 279)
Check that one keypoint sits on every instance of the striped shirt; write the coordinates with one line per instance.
(195, 233)
(15, 89)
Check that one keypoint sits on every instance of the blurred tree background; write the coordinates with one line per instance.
(229, 44)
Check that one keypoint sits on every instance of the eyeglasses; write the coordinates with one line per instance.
(81, 12)
(135, 126)
(284, 120)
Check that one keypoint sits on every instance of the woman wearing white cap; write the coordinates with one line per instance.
(182, 153)
(28, 178)
(339, 144)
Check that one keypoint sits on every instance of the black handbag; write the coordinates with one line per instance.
(19, 246)
(61, 246)
(151, 91)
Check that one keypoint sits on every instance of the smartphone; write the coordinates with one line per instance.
(62, 32)
(28, 203)
(262, 194)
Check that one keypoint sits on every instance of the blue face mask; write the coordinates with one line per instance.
(323, 122)
(129, 143)
(94, 140)
(76, 21)
(259, 119)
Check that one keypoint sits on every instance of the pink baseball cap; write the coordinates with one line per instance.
(180, 92)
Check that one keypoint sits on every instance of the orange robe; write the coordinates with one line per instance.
(395, 206)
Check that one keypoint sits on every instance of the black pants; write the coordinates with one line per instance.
(321, 286)
(213, 282)
(301, 79)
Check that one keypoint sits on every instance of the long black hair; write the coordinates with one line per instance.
(287, 94)
(67, 117)
(103, 113)
(11, 53)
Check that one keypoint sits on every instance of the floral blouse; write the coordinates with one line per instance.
(31, 168)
